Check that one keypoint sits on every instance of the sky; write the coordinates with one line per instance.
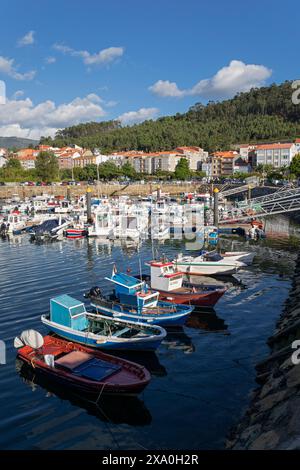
(71, 61)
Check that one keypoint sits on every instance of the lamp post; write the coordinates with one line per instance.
(216, 207)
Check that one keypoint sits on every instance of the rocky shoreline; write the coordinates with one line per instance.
(272, 420)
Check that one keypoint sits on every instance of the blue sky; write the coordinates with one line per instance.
(65, 62)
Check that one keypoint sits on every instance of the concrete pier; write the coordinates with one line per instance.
(272, 420)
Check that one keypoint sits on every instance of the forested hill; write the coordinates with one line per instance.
(262, 114)
(16, 142)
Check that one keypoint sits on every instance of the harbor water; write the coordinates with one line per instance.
(202, 374)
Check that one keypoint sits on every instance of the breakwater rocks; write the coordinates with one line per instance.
(273, 417)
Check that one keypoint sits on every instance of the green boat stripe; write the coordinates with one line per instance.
(204, 264)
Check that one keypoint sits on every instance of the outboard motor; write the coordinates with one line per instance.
(93, 292)
(3, 229)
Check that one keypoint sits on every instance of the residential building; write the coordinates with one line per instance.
(65, 157)
(207, 169)
(277, 155)
(86, 157)
(245, 150)
(27, 157)
(195, 155)
(3, 161)
(241, 166)
(3, 152)
(297, 143)
(223, 163)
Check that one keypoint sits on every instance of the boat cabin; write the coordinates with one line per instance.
(164, 276)
(133, 292)
(67, 311)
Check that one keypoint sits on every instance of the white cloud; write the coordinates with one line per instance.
(138, 116)
(8, 67)
(50, 60)
(27, 39)
(111, 103)
(105, 56)
(165, 88)
(22, 118)
(229, 80)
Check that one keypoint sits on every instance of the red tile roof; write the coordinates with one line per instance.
(274, 146)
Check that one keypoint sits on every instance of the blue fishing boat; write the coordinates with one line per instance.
(69, 319)
(133, 300)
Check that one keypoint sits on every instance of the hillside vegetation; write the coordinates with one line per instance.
(16, 142)
(260, 115)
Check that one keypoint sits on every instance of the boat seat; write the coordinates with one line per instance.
(87, 366)
(73, 359)
(121, 332)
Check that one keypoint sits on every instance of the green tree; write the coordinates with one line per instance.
(108, 170)
(129, 171)
(13, 163)
(46, 166)
(182, 169)
(295, 165)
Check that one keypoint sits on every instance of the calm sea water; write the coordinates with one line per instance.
(202, 374)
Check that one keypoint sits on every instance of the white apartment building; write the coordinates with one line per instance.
(277, 155)
(195, 155)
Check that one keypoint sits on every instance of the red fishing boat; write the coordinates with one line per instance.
(169, 283)
(80, 368)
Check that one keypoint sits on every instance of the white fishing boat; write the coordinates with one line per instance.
(242, 256)
(207, 264)
(103, 225)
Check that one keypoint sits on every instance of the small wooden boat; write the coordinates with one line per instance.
(169, 283)
(133, 300)
(68, 318)
(80, 368)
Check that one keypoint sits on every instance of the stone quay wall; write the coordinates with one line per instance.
(272, 420)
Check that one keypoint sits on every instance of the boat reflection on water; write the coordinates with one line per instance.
(129, 410)
(179, 340)
(208, 320)
(148, 359)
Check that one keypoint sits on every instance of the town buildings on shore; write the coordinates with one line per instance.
(243, 159)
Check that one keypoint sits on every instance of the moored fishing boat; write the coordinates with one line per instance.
(242, 256)
(68, 318)
(169, 283)
(133, 300)
(80, 368)
(207, 264)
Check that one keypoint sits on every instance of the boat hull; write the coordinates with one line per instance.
(242, 256)
(75, 233)
(200, 299)
(176, 318)
(131, 380)
(207, 269)
(106, 343)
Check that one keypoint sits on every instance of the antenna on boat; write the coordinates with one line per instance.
(30, 338)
